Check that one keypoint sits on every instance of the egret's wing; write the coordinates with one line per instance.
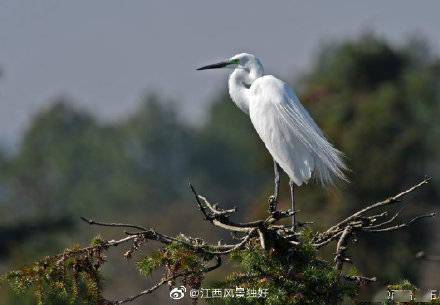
(291, 135)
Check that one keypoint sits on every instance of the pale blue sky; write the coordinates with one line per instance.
(105, 54)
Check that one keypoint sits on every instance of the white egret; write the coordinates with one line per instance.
(291, 136)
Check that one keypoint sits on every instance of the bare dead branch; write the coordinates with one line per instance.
(199, 203)
(341, 247)
(360, 279)
(216, 212)
(363, 222)
(197, 245)
(220, 218)
(120, 225)
(402, 225)
(388, 201)
(387, 221)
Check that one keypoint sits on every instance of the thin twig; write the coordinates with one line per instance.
(151, 289)
(120, 225)
(164, 281)
(360, 279)
(402, 225)
(218, 217)
(387, 201)
(387, 221)
(335, 231)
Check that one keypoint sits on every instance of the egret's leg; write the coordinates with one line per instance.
(276, 169)
(273, 200)
(292, 198)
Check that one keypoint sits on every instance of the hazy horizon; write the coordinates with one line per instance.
(105, 55)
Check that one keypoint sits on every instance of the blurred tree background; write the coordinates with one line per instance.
(379, 103)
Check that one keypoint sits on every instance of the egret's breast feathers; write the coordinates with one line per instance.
(290, 134)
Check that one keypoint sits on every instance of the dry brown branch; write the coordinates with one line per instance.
(361, 221)
(388, 201)
(220, 218)
(120, 225)
(360, 279)
(341, 247)
(402, 225)
(197, 245)
(387, 221)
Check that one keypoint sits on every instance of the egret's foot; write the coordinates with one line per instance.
(295, 226)
(273, 204)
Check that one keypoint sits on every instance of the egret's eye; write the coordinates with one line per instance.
(235, 61)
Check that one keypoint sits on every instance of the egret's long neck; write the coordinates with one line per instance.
(239, 83)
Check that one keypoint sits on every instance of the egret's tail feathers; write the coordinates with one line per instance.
(329, 166)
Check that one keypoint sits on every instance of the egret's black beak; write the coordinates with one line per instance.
(214, 66)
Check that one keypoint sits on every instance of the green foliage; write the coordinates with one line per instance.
(149, 263)
(176, 258)
(297, 276)
(293, 277)
(69, 278)
(402, 285)
(97, 240)
(407, 285)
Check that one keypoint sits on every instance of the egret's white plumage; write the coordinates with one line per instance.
(293, 139)
(290, 134)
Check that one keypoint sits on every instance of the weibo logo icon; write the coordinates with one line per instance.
(177, 292)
